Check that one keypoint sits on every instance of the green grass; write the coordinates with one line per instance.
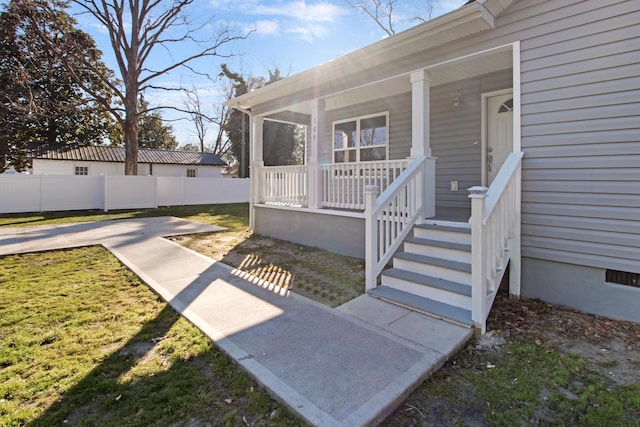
(234, 216)
(84, 342)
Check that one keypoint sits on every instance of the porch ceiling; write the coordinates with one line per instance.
(459, 69)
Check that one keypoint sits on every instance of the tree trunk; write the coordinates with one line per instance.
(131, 130)
(131, 147)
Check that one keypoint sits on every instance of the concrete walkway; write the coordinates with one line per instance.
(349, 366)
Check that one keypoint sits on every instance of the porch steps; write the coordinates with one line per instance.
(432, 275)
(426, 306)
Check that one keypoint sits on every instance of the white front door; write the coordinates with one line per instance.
(499, 132)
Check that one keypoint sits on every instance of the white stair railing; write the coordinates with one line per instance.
(343, 183)
(283, 185)
(495, 237)
(390, 217)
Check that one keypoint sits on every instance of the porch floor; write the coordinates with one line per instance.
(349, 366)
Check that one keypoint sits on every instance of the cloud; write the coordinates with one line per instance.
(265, 27)
(300, 10)
(309, 33)
(307, 20)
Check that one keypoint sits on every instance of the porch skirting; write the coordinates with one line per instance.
(341, 232)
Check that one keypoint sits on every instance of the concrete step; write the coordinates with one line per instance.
(448, 233)
(423, 305)
(445, 291)
(452, 251)
(453, 271)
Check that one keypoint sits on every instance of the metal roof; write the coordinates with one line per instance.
(102, 153)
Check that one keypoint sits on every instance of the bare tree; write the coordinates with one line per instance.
(222, 142)
(202, 121)
(381, 11)
(429, 6)
(137, 29)
(193, 104)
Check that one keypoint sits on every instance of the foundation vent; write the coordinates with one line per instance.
(623, 278)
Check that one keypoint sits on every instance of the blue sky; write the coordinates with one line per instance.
(293, 35)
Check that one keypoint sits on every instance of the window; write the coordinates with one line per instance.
(362, 139)
(82, 170)
(506, 107)
(191, 173)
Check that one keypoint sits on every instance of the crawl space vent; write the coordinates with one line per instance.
(623, 278)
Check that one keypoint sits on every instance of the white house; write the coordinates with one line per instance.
(106, 160)
(533, 105)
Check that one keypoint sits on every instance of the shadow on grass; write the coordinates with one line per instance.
(325, 277)
(204, 388)
(102, 398)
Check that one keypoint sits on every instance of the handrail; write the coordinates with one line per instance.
(495, 232)
(389, 217)
(500, 182)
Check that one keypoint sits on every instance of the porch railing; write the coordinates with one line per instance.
(343, 183)
(390, 217)
(284, 185)
(495, 233)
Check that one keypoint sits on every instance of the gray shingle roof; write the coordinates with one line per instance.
(102, 153)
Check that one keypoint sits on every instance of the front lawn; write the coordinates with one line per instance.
(84, 342)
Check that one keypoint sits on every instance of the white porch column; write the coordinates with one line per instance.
(257, 160)
(420, 115)
(421, 136)
(316, 137)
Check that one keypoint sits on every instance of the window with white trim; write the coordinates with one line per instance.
(361, 139)
(192, 173)
(81, 170)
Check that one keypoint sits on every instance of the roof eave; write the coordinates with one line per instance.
(470, 14)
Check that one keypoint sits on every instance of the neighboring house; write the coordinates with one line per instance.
(537, 100)
(106, 160)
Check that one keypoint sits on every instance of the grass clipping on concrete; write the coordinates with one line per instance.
(84, 342)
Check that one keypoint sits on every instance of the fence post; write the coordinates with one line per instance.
(478, 196)
(371, 237)
(41, 185)
(105, 188)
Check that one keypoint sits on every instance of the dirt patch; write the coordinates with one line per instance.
(312, 272)
(610, 347)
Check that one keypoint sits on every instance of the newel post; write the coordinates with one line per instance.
(478, 196)
(371, 237)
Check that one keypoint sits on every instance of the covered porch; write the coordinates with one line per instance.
(434, 145)
(369, 134)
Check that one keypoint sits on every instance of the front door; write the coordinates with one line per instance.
(499, 132)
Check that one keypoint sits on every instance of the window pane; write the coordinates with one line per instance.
(345, 135)
(372, 154)
(352, 155)
(338, 157)
(373, 131)
(506, 107)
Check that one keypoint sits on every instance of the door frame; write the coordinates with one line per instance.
(484, 114)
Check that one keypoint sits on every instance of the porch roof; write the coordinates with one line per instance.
(355, 69)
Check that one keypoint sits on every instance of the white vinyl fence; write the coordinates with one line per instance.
(43, 193)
